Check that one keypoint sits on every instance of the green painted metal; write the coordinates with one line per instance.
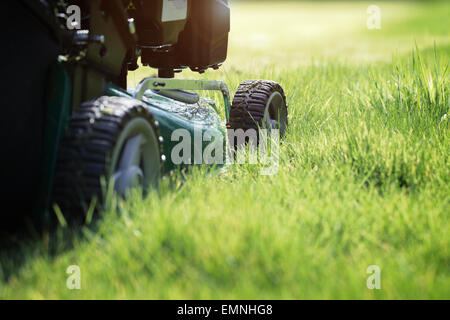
(184, 84)
(172, 115)
(58, 115)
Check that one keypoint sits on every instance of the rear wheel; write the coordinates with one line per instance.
(112, 137)
(259, 104)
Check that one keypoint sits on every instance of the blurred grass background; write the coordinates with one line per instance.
(289, 34)
(363, 178)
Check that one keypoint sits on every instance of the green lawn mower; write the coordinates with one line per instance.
(70, 124)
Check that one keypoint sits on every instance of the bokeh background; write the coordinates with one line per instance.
(287, 34)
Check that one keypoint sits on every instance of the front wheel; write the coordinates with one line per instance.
(113, 138)
(259, 104)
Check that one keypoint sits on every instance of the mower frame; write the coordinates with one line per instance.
(185, 84)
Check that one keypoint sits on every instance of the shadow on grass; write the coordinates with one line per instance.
(26, 239)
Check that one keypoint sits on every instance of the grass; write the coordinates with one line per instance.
(363, 178)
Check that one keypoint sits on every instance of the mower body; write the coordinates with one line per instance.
(72, 128)
(53, 70)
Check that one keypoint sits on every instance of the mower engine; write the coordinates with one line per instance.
(175, 34)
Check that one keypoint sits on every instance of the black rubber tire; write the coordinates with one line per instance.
(249, 104)
(87, 146)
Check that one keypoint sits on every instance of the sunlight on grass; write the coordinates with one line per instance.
(291, 34)
(364, 177)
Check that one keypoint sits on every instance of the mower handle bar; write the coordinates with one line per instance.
(183, 84)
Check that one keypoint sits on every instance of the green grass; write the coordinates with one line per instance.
(363, 178)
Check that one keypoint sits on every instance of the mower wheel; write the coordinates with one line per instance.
(114, 138)
(259, 104)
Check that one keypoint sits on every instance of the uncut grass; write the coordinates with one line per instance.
(363, 180)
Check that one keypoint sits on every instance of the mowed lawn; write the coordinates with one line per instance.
(363, 177)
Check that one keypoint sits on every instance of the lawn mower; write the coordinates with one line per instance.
(70, 124)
